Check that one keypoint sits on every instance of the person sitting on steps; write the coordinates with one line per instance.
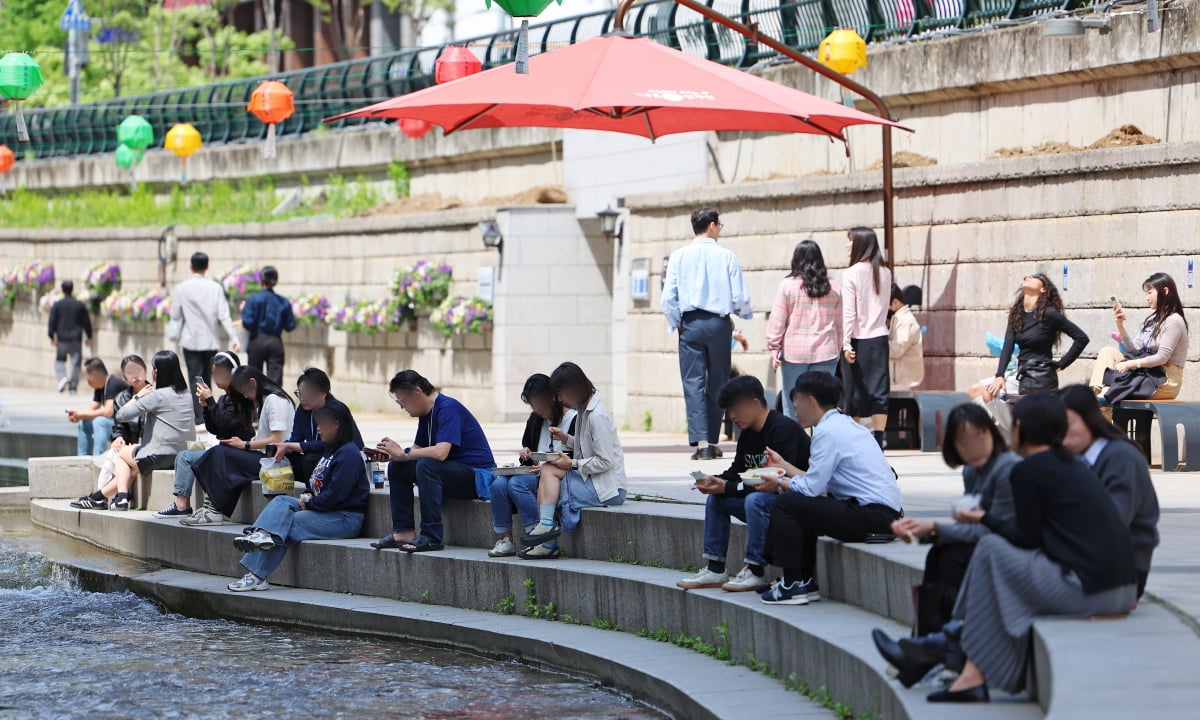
(304, 448)
(729, 496)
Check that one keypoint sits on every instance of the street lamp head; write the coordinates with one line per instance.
(608, 221)
(491, 234)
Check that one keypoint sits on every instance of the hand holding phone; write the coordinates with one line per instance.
(376, 455)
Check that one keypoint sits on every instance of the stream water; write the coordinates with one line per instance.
(66, 653)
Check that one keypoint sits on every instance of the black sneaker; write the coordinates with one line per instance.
(120, 503)
(171, 511)
(714, 453)
(86, 503)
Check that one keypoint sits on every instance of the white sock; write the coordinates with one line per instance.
(703, 444)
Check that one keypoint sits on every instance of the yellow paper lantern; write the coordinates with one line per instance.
(183, 140)
(843, 51)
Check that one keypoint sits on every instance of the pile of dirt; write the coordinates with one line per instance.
(904, 159)
(1124, 136)
(433, 202)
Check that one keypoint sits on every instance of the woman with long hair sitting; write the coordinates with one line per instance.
(334, 510)
(230, 466)
(1152, 367)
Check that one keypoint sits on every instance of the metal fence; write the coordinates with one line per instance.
(219, 111)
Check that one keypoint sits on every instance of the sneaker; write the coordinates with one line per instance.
(119, 503)
(798, 593)
(86, 503)
(704, 579)
(257, 540)
(62, 384)
(203, 517)
(503, 548)
(744, 581)
(171, 511)
(249, 581)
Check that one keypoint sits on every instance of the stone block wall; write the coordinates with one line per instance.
(966, 234)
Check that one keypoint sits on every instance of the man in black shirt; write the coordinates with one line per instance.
(96, 422)
(69, 325)
(728, 497)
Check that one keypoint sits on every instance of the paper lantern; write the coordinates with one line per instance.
(455, 62)
(183, 140)
(414, 128)
(126, 157)
(20, 77)
(7, 158)
(135, 132)
(271, 102)
(843, 51)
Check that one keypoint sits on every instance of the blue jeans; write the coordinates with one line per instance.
(94, 436)
(436, 480)
(516, 493)
(185, 476)
(283, 518)
(754, 510)
(704, 360)
(791, 371)
(577, 493)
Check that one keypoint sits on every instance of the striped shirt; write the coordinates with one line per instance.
(805, 329)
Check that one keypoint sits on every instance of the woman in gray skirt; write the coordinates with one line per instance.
(1066, 554)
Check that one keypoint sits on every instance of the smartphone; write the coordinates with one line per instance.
(272, 449)
(1115, 302)
(376, 455)
(199, 381)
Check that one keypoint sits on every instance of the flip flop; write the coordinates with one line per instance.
(387, 542)
(421, 544)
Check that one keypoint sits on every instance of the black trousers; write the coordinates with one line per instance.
(266, 355)
(199, 363)
(945, 568)
(223, 471)
(798, 520)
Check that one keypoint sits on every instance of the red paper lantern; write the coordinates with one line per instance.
(455, 62)
(414, 128)
(7, 158)
(271, 102)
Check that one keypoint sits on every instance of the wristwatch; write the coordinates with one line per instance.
(247, 446)
(407, 454)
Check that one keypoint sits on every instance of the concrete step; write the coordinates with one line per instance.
(824, 644)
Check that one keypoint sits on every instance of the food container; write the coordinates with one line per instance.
(964, 503)
(756, 476)
(540, 457)
(277, 478)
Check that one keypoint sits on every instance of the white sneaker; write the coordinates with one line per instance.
(62, 384)
(503, 548)
(744, 581)
(249, 581)
(704, 579)
(203, 517)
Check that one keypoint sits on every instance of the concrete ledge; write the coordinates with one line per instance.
(827, 644)
(69, 476)
(14, 498)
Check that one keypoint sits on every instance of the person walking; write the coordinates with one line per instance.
(702, 289)
(198, 306)
(70, 327)
(266, 315)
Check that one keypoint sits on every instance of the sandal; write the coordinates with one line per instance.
(387, 542)
(421, 544)
(550, 535)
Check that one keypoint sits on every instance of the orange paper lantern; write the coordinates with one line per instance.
(272, 102)
(455, 62)
(414, 128)
(7, 158)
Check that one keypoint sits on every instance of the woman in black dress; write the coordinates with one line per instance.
(1036, 323)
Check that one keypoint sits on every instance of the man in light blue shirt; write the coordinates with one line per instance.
(849, 491)
(702, 289)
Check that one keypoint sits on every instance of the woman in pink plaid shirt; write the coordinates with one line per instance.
(805, 330)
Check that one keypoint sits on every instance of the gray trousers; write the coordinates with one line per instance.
(63, 349)
(704, 359)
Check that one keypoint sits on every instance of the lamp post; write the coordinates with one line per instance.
(752, 34)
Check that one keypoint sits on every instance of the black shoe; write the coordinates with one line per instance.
(977, 694)
(86, 503)
(714, 453)
(935, 648)
(120, 503)
(910, 670)
(700, 454)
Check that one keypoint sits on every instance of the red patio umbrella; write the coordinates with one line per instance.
(621, 84)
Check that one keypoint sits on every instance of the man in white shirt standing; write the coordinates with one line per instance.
(198, 306)
(702, 289)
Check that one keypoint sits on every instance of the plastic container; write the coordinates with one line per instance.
(276, 477)
(378, 474)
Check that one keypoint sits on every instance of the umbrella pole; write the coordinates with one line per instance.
(753, 35)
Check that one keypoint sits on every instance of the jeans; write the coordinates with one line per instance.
(517, 493)
(577, 493)
(185, 476)
(435, 480)
(792, 370)
(704, 360)
(754, 510)
(62, 350)
(199, 362)
(283, 518)
(94, 436)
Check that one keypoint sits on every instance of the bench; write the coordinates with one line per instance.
(1136, 417)
(920, 414)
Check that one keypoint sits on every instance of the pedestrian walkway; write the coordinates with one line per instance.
(658, 466)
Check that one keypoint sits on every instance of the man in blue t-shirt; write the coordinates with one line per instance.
(449, 447)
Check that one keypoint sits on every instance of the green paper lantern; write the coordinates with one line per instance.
(127, 157)
(135, 132)
(20, 77)
(522, 8)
